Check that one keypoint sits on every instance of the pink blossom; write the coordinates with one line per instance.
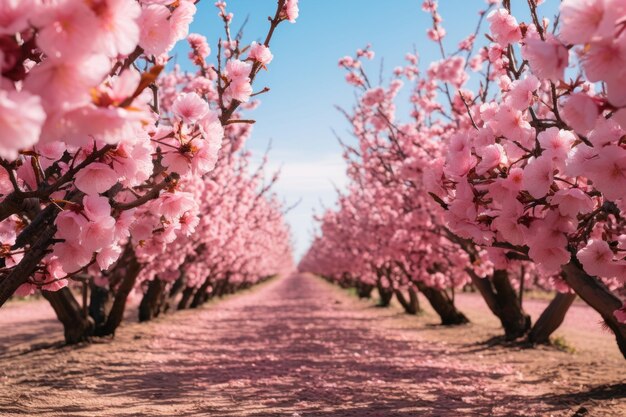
(26, 174)
(182, 16)
(188, 223)
(25, 290)
(134, 164)
(66, 29)
(189, 107)
(199, 45)
(51, 274)
(556, 143)
(581, 20)
(69, 225)
(62, 83)
(96, 178)
(608, 172)
(119, 26)
(507, 223)
(238, 70)
(538, 176)
(620, 314)
(429, 6)
(460, 159)
(354, 79)
(21, 121)
(260, 53)
(98, 234)
(142, 229)
(547, 59)
(521, 92)
(572, 201)
(578, 160)
(240, 90)
(547, 247)
(597, 259)
(605, 131)
(14, 15)
(348, 62)
(467, 43)
(72, 256)
(616, 91)
(374, 96)
(5, 183)
(504, 27)
(206, 158)
(97, 207)
(450, 70)
(504, 189)
(156, 35)
(123, 86)
(107, 124)
(491, 157)
(580, 112)
(107, 256)
(436, 34)
(512, 124)
(290, 11)
(605, 61)
(176, 161)
(123, 223)
(173, 205)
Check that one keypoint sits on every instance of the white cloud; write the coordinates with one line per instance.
(311, 181)
(319, 174)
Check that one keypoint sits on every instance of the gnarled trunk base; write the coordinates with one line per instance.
(411, 306)
(151, 302)
(551, 318)
(364, 290)
(443, 306)
(77, 328)
(385, 295)
(598, 296)
(502, 300)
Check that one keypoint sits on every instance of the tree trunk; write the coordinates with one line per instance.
(40, 245)
(201, 295)
(414, 300)
(364, 290)
(551, 318)
(149, 307)
(515, 321)
(188, 294)
(385, 295)
(132, 269)
(177, 288)
(77, 328)
(598, 296)
(411, 305)
(501, 299)
(100, 304)
(443, 306)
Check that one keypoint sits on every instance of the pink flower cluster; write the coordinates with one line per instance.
(104, 159)
(526, 172)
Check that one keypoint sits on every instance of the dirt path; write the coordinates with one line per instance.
(300, 347)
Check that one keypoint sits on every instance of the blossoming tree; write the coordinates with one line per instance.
(102, 162)
(529, 167)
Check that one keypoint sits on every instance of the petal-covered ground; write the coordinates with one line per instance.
(298, 346)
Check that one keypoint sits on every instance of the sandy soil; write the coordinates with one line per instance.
(300, 347)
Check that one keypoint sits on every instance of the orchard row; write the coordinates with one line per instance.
(119, 175)
(509, 174)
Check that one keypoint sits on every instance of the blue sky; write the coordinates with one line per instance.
(299, 114)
